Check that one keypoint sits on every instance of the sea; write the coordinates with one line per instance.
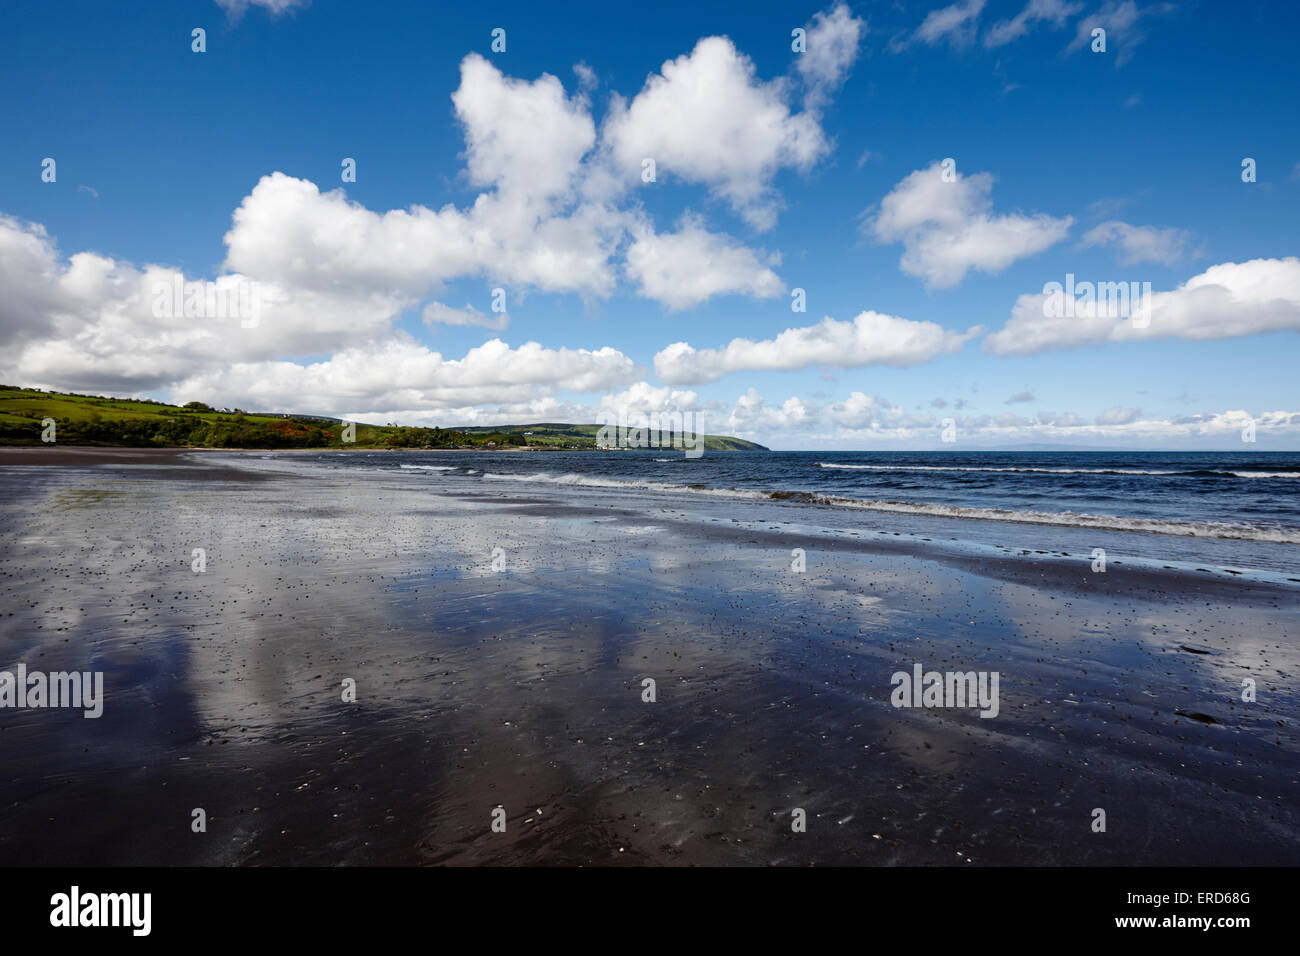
(1247, 497)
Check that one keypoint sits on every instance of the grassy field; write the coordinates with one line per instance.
(99, 420)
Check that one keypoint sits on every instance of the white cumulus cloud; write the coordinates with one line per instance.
(948, 228)
(872, 338)
(684, 268)
(707, 118)
(1225, 301)
(399, 373)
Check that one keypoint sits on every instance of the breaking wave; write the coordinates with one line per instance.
(1200, 529)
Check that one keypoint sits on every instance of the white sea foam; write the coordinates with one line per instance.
(1196, 529)
(1200, 529)
(587, 481)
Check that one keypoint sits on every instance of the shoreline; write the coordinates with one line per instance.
(87, 455)
(190, 463)
(145, 463)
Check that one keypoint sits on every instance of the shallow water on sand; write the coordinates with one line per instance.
(522, 687)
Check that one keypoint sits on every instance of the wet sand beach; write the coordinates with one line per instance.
(499, 639)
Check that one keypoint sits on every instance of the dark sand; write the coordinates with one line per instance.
(523, 688)
(166, 462)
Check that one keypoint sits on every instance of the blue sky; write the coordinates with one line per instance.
(521, 170)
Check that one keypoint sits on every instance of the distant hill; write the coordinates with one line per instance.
(584, 436)
(100, 420)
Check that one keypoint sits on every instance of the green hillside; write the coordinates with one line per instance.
(559, 434)
(98, 420)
